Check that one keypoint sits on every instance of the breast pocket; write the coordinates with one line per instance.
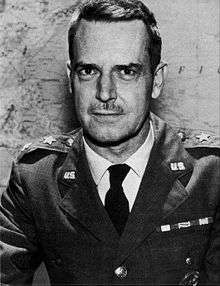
(180, 249)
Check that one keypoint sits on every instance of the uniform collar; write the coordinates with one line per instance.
(137, 161)
(168, 189)
(97, 164)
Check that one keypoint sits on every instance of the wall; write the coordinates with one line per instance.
(34, 98)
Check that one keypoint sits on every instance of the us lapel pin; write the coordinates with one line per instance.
(177, 166)
(71, 175)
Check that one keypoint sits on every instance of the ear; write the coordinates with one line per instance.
(160, 75)
(68, 71)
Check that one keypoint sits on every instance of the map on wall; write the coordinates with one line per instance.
(34, 95)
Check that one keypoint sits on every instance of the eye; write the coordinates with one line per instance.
(127, 73)
(87, 72)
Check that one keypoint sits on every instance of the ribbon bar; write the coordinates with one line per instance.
(185, 224)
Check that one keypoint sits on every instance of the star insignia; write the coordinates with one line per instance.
(156, 30)
(26, 146)
(182, 136)
(70, 142)
(203, 137)
(49, 140)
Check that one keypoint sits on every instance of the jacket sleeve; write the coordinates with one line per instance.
(212, 259)
(19, 250)
(212, 262)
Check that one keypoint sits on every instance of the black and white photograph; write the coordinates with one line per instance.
(109, 142)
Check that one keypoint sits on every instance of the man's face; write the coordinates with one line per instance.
(111, 79)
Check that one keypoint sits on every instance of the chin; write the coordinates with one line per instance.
(102, 139)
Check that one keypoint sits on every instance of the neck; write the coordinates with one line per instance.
(117, 154)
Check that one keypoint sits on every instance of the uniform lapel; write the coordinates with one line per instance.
(80, 199)
(159, 195)
(160, 192)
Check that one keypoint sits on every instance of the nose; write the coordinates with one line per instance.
(106, 88)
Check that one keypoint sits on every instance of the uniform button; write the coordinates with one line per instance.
(58, 262)
(121, 272)
(182, 136)
(188, 261)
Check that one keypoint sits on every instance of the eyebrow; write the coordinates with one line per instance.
(93, 65)
(82, 64)
(130, 65)
(137, 66)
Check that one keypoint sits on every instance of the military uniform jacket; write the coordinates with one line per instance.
(51, 211)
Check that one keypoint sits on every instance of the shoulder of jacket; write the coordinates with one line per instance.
(199, 142)
(50, 144)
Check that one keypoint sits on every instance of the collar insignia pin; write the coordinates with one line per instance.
(49, 140)
(71, 175)
(203, 137)
(26, 146)
(70, 142)
(177, 166)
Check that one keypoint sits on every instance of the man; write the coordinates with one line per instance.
(119, 201)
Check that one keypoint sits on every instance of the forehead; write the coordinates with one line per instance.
(116, 41)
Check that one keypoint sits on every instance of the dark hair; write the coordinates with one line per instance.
(114, 11)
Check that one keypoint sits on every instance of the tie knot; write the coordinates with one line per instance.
(118, 173)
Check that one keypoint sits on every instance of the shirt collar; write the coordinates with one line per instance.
(97, 164)
(137, 161)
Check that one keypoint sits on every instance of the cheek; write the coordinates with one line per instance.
(143, 96)
(83, 95)
(136, 96)
(81, 106)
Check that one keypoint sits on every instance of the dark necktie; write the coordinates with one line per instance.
(116, 202)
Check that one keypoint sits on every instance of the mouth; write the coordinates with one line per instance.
(106, 115)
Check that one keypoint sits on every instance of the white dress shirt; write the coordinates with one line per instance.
(137, 163)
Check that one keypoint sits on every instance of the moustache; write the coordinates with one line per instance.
(107, 106)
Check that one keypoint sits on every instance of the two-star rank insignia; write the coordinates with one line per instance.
(26, 146)
(177, 166)
(70, 141)
(49, 140)
(203, 137)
